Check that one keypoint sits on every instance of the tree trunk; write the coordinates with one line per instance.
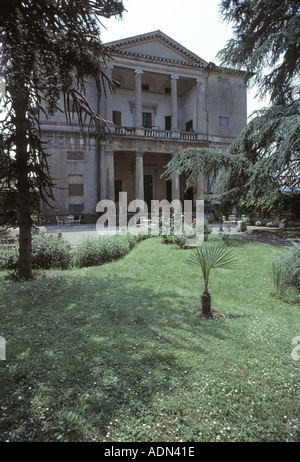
(23, 187)
(206, 304)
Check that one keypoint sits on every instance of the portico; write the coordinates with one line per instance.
(149, 126)
(130, 162)
(166, 99)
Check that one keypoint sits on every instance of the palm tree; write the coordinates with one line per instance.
(208, 257)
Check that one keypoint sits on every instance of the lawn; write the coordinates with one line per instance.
(117, 353)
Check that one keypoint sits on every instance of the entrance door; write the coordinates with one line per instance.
(148, 190)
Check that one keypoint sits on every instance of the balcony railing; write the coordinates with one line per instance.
(188, 136)
(153, 132)
(156, 133)
(125, 131)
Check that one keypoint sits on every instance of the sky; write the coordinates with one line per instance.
(195, 24)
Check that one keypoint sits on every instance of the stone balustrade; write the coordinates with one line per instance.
(154, 133)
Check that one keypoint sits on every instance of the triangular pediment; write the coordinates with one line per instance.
(156, 46)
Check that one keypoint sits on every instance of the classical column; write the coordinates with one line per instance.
(110, 175)
(200, 106)
(103, 173)
(200, 187)
(175, 186)
(139, 175)
(108, 106)
(138, 98)
(174, 117)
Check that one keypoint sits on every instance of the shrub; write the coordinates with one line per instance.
(47, 252)
(180, 239)
(168, 238)
(50, 252)
(225, 237)
(286, 270)
(9, 256)
(100, 250)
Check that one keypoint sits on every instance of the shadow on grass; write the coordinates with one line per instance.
(99, 347)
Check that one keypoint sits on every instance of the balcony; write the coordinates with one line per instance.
(155, 132)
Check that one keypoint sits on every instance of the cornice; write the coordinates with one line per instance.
(117, 50)
(117, 45)
(157, 59)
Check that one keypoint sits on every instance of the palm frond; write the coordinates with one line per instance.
(212, 256)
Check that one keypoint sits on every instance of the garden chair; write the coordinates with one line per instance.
(59, 222)
(225, 221)
(77, 220)
(69, 220)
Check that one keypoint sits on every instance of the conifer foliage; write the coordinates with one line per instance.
(266, 44)
(47, 49)
(265, 158)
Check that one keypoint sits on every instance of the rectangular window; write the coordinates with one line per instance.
(75, 189)
(189, 126)
(76, 194)
(75, 183)
(223, 121)
(147, 119)
(168, 123)
(117, 118)
(145, 87)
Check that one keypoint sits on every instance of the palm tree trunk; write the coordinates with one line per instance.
(206, 304)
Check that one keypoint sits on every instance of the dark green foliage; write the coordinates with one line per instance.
(266, 36)
(180, 239)
(52, 252)
(266, 44)
(195, 161)
(97, 251)
(277, 202)
(47, 252)
(9, 257)
(267, 155)
(48, 50)
(286, 269)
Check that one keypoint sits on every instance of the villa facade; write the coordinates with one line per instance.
(167, 99)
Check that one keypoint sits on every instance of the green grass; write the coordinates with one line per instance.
(116, 353)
